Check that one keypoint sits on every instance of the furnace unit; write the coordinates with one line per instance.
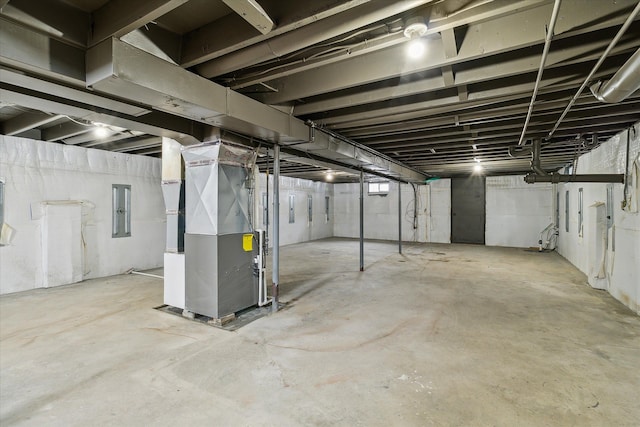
(220, 247)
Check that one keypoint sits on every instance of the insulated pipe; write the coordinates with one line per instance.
(399, 217)
(543, 61)
(276, 227)
(615, 40)
(319, 31)
(532, 178)
(623, 83)
(361, 220)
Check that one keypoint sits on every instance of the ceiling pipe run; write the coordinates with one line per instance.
(543, 61)
(555, 178)
(536, 165)
(540, 175)
(623, 83)
(615, 40)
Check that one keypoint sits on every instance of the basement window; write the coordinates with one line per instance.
(121, 205)
(378, 188)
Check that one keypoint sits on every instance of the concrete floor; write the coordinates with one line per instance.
(443, 335)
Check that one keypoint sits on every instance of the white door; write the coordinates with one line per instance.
(62, 254)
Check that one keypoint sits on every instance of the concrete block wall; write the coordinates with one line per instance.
(516, 212)
(58, 201)
(433, 203)
(614, 255)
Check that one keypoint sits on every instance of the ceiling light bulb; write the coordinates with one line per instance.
(476, 159)
(477, 168)
(101, 132)
(329, 176)
(415, 49)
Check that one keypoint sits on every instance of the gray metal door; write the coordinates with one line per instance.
(468, 210)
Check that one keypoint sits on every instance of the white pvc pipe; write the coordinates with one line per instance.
(262, 282)
(146, 274)
(543, 61)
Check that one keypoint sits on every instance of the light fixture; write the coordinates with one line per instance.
(475, 147)
(101, 132)
(415, 49)
(329, 176)
(476, 159)
(477, 168)
(414, 29)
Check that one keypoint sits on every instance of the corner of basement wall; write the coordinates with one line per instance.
(612, 255)
(516, 212)
(44, 183)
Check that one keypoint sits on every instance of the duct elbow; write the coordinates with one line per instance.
(623, 83)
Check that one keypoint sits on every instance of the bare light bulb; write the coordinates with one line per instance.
(477, 168)
(101, 132)
(329, 177)
(415, 49)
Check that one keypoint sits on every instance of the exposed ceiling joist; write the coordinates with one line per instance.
(27, 121)
(313, 33)
(514, 31)
(569, 55)
(119, 17)
(233, 33)
(253, 13)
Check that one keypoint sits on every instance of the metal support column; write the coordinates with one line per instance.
(399, 217)
(361, 220)
(276, 227)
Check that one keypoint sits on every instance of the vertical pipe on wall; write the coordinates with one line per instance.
(361, 220)
(399, 217)
(276, 227)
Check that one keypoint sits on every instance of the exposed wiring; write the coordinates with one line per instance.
(332, 49)
(79, 122)
(467, 8)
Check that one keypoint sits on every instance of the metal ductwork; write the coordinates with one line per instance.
(623, 83)
(121, 70)
(317, 32)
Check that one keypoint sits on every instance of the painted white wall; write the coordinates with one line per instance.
(381, 212)
(41, 179)
(439, 203)
(302, 230)
(622, 266)
(516, 212)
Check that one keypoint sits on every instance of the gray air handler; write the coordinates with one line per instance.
(221, 251)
